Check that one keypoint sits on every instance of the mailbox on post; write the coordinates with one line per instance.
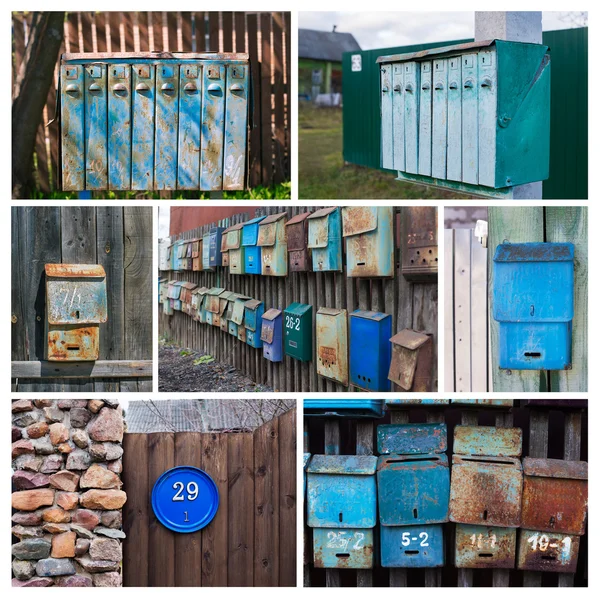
(419, 243)
(272, 238)
(297, 325)
(271, 334)
(252, 252)
(76, 304)
(370, 350)
(533, 289)
(297, 235)
(369, 235)
(153, 121)
(472, 117)
(325, 239)
(253, 312)
(332, 344)
(411, 367)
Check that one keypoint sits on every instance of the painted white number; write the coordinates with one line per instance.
(542, 543)
(405, 538)
(192, 490)
(292, 323)
(480, 540)
(341, 540)
(423, 536)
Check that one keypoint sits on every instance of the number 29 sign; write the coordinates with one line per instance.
(185, 499)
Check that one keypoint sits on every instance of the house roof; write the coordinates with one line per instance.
(325, 45)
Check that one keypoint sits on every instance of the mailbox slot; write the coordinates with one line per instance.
(272, 238)
(412, 546)
(332, 344)
(271, 335)
(325, 239)
(551, 552)
(297, 326)
(300, 256)
(343, 548)
(419, 243)
(411, 367)
(480, 547)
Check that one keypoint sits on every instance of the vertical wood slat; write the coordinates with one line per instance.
(479, 312)
(266, 99)
(462, 309)
(227, 18)
(449, 355)
(255, 137)
(280, 158)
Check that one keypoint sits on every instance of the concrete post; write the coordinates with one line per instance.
(514, 26)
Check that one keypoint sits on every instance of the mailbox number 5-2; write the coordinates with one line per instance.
(192, 491)
(292, 323)
(423, 536)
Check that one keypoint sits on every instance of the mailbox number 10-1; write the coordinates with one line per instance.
(292, 323)
(192, 491)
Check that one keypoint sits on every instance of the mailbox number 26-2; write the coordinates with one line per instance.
(292, 322)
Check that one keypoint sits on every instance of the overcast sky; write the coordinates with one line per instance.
(385, 29)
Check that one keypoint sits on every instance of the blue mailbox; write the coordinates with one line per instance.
(343, 549)
(412, 546)
(271, 334)
(253, 312)
(370, 350)
(333, 407)
(392, 404)
(252, 252)
(533, 303)
(215, 234)
(325, 239)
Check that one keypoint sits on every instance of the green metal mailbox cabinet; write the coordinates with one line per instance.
(473, 117)
(297, 325)
(153, 121)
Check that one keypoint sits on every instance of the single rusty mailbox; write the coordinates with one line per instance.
(187, 289)
(412, 546)
(411, 367)
(297, 326)
(543, 551)
(272, 238)
(555, 495)
(197, 254)
(370, 350)
(253, 312)
(179, 253)
(369, 235)
(76, 304)
(355, 409)
(198, 304)
(419, 243)
(224, 249)
(271, 334)
(332, 344)
(487, 477)
(233, 244)
(482, 547)
(252, 252)
(153, 121)
(300, 257)
(533, 296)
(343, 549)
(325, 239)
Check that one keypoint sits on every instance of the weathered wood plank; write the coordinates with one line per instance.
(479, 316)
(34, 369)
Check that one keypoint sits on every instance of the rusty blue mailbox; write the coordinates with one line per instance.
(253, 312)
(252, 252)
(370, 350)
(412, 546)
(325, 239)
(214, 258)
(487, 476)
(271, 334)
(369, 235)
(272, 238)
(153, 121)
(352, 408)
(533, 303)
(550, 552)
(343, 549)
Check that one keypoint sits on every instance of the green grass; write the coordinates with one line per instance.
(322, 173)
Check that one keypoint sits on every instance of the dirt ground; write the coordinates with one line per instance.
(178, 373)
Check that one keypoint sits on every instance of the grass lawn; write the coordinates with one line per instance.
(322, 173)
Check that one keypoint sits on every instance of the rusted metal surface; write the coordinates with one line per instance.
(96, 151)
(73, 342)
(555, 495)
(72, 140)
(411, 402)
(332, 344)
(486, 491)
(272, 237)
(551, 552)
(421, 438)
(212, 299)
(154, 57)
(271, 334)
(481, 547)
(297, 239)
(325, 239)
(343, 548)
(488, 441)
(419, 243)
(411, 366)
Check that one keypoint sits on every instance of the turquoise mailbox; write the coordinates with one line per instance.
(325, 239)
(253, 255)
(272, 238)
(253, 312)
(472, 117)
(533, 288)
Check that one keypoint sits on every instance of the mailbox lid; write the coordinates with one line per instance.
(339, 464)
(482, 547)
(359, 219)
(343, 548)
(231, 238)
(422, 438)
(354, 408)
(152, 57)
(318, 228)
(488, 441)
(269, 323)
(267, 230)
(250, 231)
(75, 294)
(297, 232)
(297, 309)
(550, 552)
(412, 546)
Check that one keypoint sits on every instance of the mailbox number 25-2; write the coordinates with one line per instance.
(292, 323)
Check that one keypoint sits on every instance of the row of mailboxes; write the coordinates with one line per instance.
(475, 117)
(197, 254)
(153, 121)
(274, 246)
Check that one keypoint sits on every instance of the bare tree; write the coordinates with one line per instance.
(575, 19)
(30, 93)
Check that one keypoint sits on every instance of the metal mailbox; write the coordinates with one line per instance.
(543, 551)
(187, 288)
(76, 304)
(153, 121)
(163, 287)
(419, 243)
(224, 250)
(353, 408)
(198, 304)
(272, 238)
(332, 344)
(253, 312)
(411, 367)
(343, 549)
(325, 239)
(297, 324)
(252, 252)
(533, 303)
(472, 117)
(341, 492)
(237, 317)
(412, 546)
(401, 403)
(271, 334)
(555, 495)
(235, 250)
(206, 253)
(215, 234)
(487, 478)
(482, 547)
(369, 235)
(300, 256)
(197, 254)
(370, 350)
(413, 479)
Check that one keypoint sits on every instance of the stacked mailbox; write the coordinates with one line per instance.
(342, 509)
(413, 483)
(485, 495)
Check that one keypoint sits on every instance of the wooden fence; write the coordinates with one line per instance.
(559, 434)
(252, 539)
(412, 305)
(264, 36)
(119, 239)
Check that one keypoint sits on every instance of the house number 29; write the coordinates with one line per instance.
(192, 491)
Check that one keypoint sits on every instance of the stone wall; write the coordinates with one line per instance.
(67, 498)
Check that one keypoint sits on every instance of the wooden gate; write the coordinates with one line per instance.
(252, 539)
(119, 239)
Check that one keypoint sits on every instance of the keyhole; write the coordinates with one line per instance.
(139, 72)
(552, 521)
(415, 513)
(341, 517)
(77, 314)
(114, 71)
